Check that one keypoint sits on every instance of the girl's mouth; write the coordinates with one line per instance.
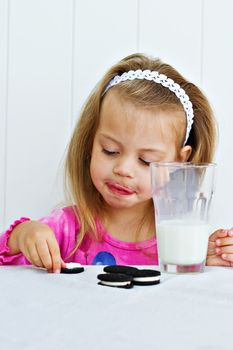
(118, 189)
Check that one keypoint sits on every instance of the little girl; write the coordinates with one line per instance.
(142, 111)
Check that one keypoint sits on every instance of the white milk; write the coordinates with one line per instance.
(182, 243)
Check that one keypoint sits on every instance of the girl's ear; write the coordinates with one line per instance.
(185, 153)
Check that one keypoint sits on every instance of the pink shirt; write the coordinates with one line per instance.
(108, 251)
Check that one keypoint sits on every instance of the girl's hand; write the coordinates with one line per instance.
(38, 243)
(220, 248)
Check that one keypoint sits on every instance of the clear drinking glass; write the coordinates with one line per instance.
(182, 196)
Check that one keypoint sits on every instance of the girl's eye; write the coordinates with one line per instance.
(144, 162)
(109, 153)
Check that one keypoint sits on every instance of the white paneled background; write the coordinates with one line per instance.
(52, 53)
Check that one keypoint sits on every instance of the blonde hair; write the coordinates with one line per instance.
(88, 203)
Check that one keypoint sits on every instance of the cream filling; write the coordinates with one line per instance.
(115, 283)
(147, 279)
(72, 265)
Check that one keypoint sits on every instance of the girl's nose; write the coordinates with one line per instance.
(124, 167)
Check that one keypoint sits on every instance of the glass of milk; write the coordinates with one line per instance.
(182, 196)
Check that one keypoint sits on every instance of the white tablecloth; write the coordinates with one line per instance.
(57, 311)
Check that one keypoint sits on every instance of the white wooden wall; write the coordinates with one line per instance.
(52, 53)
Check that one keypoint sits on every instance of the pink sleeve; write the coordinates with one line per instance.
(17, 259)
(65, 226)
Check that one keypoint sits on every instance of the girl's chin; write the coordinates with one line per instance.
(119, 203)
(124, 204)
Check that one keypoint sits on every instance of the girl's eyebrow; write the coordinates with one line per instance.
(155, 150)
(110, 138)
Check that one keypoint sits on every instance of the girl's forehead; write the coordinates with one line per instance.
(116, 109)
(121, 114)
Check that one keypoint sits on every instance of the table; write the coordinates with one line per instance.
(57, 311)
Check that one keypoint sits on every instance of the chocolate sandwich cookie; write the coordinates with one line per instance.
(115, 280)
(146, 277)
(72, 268)
(140, 276)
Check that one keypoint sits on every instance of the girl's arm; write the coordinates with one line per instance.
(38, 244)
(44, 243)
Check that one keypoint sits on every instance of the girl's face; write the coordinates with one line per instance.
(127, 140)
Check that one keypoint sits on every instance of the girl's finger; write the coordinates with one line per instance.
(217, 261)
(228, 258)
(224, 250)
(63, 264)
(34, 256)
(220, 242)
(44, 254)
(227, 250)
(211, 248)
(217, 234)
(55, 254)
(27, 254)
(230, 232)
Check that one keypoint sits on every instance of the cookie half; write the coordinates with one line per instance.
(115, 280)
(72, 268)
(126, 270)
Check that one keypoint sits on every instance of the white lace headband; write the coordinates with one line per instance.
(166, 82)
